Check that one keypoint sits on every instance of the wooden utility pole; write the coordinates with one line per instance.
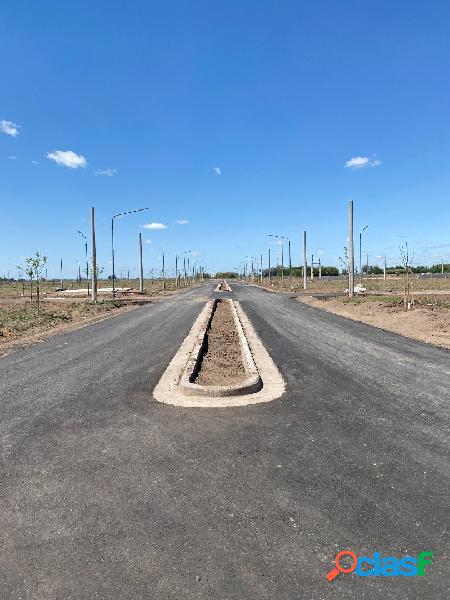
(94, 258)
(305, 261)
(141, 267)
(351, 254)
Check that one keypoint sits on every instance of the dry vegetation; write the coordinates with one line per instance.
(382, 305)
(20, 321)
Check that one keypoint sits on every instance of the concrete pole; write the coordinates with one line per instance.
(290, 263)
(270, 276)
(360, 258)
(282, 264)
(141, 267)
(312, 266)
(305, 261)
(62, 281)
(163, 272)
(94, 258)
(351, 253)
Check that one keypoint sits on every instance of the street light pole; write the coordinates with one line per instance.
(360, 253)
(87, 262)
(141, 266)
(282, 237)
(129, 212)
(351, 257)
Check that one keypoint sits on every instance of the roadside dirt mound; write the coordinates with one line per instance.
(222, 362)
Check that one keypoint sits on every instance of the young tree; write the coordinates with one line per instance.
(21, 272)
(35, 267)
(406, 260)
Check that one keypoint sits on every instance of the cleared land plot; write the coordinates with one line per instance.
(428, 321)
(21, 323)
(393, 284)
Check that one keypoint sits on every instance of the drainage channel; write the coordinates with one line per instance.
(221, 363)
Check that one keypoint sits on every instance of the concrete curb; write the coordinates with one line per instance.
(218, 288)
(271, 385)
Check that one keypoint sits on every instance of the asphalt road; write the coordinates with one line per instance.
(107, 494)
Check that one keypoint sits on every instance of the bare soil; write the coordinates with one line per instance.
(22, 325)
(222, 361)
(428, 321)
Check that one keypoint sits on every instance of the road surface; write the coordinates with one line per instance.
(107, 494)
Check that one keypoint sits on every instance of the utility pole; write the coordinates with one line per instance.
(290, 262)
(141, 267)
(320, 269)
(305, 261)
(312, 267)
(62, 282)
(282, 264)
(270, 275)
(384, 270)
(367, 265)
(94, 257)
(176, 270)
(261, 265)
(163, 272)
(351, 256)
(360, 253)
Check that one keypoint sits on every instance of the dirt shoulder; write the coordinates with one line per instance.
(428, 322)
(22, 325)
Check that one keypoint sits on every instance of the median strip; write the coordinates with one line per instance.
(222, 362)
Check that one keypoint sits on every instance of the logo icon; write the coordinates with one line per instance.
(381, 566)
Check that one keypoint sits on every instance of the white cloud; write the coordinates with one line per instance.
(35, 162)
(12, 157)
(9, 128)
(182, 221)
(67, 158)
(359, 162)
(217, 170)
(148, 241)
(154, 226)
(107, 172)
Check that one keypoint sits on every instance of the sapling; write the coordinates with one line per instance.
(35, 267)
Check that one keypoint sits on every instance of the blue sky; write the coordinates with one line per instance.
(238, 117)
